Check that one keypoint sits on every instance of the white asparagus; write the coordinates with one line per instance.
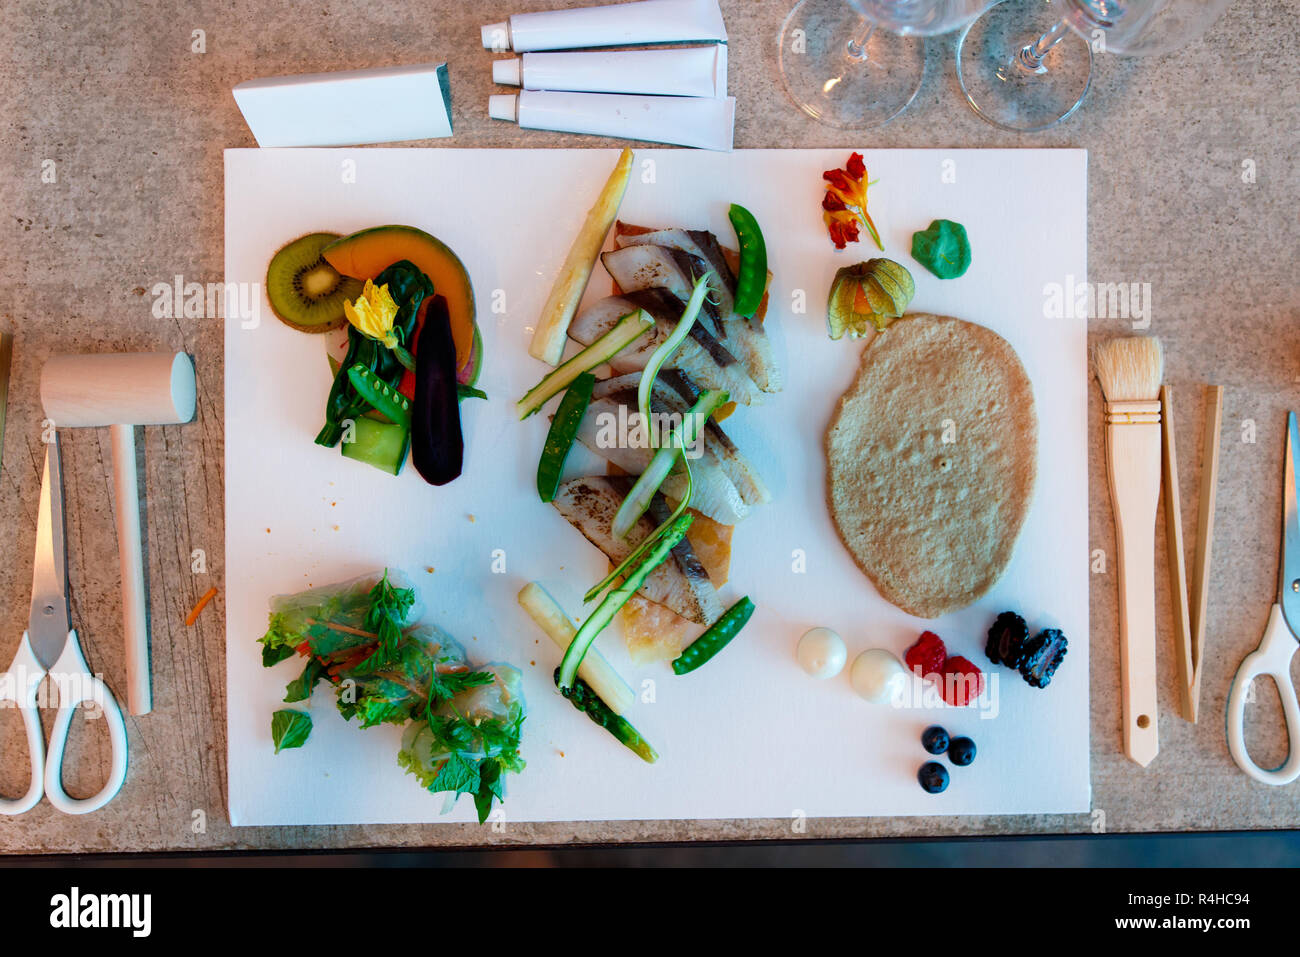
(571, 283)
(595, 670)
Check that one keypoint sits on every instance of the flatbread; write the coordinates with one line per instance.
(932, 455)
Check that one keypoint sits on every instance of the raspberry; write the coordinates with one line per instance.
(927, 655)
(963, 682)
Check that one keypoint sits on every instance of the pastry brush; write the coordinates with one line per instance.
(1130, 370)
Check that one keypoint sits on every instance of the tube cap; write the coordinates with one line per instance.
(507, 72)
(504, 106)
(496, 36)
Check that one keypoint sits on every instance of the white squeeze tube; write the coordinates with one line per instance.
(675, 71)
(699, 121)
(619, 24)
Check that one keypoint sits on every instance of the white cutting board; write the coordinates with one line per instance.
(750, 735)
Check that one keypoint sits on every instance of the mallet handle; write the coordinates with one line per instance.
(134, 611)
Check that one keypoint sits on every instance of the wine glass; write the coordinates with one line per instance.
(855, 64)
(1025, 65)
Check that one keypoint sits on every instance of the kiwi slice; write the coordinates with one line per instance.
(306, 292)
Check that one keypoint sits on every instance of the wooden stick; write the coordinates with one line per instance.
(1175, 559)
(6, 359)
(1204, 535)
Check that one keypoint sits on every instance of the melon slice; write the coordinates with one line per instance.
(365, 254)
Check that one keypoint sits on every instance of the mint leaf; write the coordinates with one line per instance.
(300, 688)
(457, 775)
(290, 729)
(490, 787)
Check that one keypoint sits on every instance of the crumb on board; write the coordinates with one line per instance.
(471, 517)
(268, 531)
(561, 753)
(429, 569)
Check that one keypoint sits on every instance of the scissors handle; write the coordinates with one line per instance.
(19, 685)
(76, 686)
(1272, 658)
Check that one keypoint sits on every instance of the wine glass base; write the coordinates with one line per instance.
(1002, 90)
(824, 78)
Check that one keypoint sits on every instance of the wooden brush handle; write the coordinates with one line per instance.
(1133, 462)
(135, 624)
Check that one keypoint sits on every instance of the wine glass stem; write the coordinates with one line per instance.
(858, 44)
(1030, 57)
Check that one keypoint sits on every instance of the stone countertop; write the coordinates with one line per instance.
(135, 122)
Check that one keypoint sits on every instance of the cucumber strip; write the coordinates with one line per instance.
(381, 444)
(386, 400)
(638, 499)
(667, 348)
(560, 438)
(616, 599)
(627, 330)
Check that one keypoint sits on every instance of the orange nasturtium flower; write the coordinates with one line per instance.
(845, 204)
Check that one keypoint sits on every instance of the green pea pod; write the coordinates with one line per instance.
(384, 398)
(563, 432)
(718, 635)
(751, 279)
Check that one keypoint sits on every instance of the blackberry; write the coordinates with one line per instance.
(961, 752)
(1007, 637)
(1044, 654)
(933, 777)
(934, 739)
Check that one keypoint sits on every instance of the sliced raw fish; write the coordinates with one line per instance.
(608, 430)
(680, 583)
(700, 363)
(676, 391)
(746, 338)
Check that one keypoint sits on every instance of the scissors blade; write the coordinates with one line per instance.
(48, 626)
(1288, 588)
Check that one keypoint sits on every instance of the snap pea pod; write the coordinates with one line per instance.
(392, 404)
(751, 278)
(560, 438)
(589, 703)
(616, 599)
(715, 638)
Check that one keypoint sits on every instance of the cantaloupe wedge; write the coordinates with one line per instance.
(365, 254)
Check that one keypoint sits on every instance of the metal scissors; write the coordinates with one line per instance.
(50, 646)
(1279, 644)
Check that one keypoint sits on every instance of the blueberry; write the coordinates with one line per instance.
(934, 739)
(933, 777)
(961, 752)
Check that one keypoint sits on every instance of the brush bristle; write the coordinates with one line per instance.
(1130, 368)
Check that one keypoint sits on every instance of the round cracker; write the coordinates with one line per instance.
(931, 460)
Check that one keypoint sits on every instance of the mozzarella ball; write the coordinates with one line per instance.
(877, 676)
(822, 653)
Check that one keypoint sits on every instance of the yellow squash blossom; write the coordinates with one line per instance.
(374, 313)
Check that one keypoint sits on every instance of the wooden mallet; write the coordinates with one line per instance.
(121, 391)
